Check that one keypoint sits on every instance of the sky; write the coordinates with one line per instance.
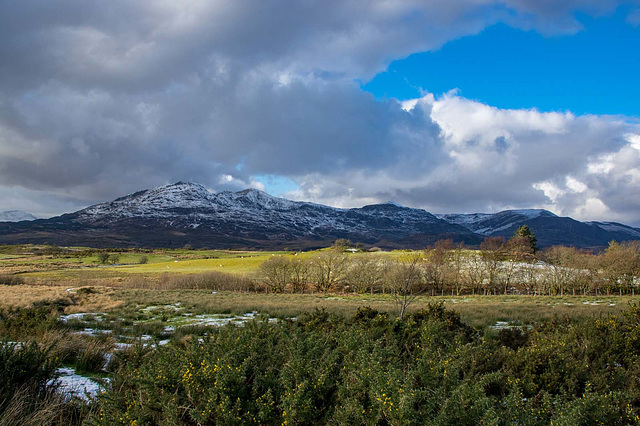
(466, 106)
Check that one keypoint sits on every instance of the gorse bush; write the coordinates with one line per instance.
(28, 391)
(18, 323)
(22, 365)
(429, 368)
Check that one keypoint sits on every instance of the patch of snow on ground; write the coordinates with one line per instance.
(81, 316)
(73, 384)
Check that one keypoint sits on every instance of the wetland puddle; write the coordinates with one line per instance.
(150, 322)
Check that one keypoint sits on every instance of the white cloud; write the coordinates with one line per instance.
(491, 159)
(634, 140)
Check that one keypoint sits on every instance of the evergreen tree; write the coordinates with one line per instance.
(525, 232)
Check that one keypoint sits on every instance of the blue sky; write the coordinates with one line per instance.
(594, 71)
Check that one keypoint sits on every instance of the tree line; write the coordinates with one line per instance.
(500, 266)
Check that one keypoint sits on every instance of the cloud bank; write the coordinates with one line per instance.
(101, 99)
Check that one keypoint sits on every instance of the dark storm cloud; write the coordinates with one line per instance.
(98, 99)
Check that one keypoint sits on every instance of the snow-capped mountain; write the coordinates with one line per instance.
(490, 224)
(184, 212)
(549, 228)
(15, 216)
(188, 213)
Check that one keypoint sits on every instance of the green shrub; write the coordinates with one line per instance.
(23, 365)
(429, 368)
(20, 323)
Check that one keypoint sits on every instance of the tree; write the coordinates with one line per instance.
(275, 273)
(342, 244)
(621, 264)
(491, 256)
(365, 272)
(329, 268)
(299, 274)
(525, 232)
(437, 264)
(103, 257)
(407, 281)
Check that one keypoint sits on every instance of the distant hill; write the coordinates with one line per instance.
(188, 213)
(15, 216)
(548, 228)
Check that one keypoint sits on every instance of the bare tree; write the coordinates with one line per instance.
(474, 273)
(437, 264)
(621, 264)
(365, 272)
(491, 255)
(454, 273)
(275, 273)
(407, 281)
(329, 268)
(300, 270)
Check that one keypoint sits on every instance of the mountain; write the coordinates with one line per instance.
(188, 213)
(491, 224)
(15, 216)
(548, 228)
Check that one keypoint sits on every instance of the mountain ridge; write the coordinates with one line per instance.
(189, 213)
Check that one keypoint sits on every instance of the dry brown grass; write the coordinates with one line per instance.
(98, 299)
(26, 295)
(479, 311)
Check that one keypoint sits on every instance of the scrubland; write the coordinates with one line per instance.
(230, 337)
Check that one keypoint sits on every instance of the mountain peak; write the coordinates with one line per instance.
(15, 216)
(531, 213)
(254, 192)
(256, 197)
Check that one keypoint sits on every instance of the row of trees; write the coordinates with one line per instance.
(499, 267)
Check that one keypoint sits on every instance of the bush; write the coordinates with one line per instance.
(103, 257)
(6, 279)
(21, 365)
(428, 368)
(28, 392)
(214, 280)
(20, 323)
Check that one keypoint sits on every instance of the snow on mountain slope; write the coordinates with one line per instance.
(189, 213)
(464, 219)
(617, 228)
(15, 216)
(190, 205)
(488, 224)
